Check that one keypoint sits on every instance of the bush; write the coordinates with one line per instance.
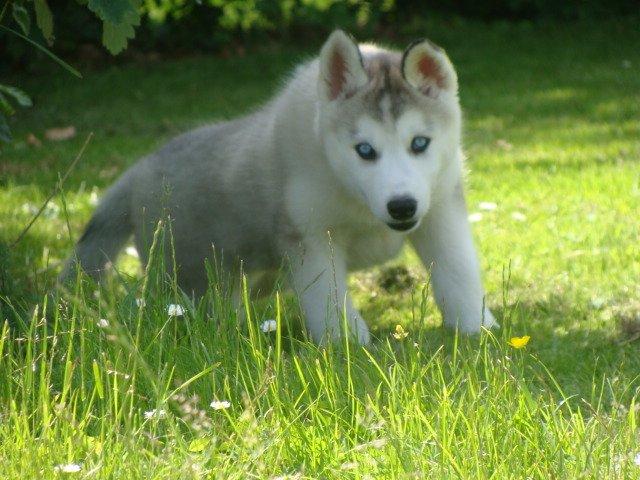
(212, 25)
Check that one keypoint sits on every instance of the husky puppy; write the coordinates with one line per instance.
(358, 153)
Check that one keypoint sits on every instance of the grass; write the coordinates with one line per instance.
(553, 137)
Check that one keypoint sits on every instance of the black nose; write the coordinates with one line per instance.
(402, 208)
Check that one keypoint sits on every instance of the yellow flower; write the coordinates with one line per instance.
(519, 342)
(400, 333)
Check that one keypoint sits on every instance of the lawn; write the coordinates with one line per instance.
(120, 390)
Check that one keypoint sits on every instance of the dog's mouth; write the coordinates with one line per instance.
(403, 226)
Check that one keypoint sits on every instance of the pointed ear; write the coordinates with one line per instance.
(341, 68)
(425, 66)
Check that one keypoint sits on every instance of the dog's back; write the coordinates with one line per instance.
(213, 185)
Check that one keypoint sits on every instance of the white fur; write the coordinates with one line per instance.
(352, 208)
(289, 176)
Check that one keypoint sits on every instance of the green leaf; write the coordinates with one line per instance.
(98, 379)
(44, 19)
(198, 445)
(5, 106)
(48, 52)
(5, 132)
(19, 95)
(22, 18)
(116, 36)
(113, 11)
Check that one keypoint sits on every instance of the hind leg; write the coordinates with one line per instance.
(96, 250)
(107, 231)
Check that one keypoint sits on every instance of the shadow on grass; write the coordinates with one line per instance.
(577, 358)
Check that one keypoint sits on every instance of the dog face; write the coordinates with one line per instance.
(388, 123)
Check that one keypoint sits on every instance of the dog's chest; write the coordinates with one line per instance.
(371, 247)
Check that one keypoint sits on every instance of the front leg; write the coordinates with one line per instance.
(319, 276)
(444, 245)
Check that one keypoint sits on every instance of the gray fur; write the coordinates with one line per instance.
(286, 183)
(212, 186)
(105, 234)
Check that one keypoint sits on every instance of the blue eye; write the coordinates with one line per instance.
(366, 151)
(419, 144)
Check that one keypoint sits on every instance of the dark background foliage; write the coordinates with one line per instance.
(230, 26)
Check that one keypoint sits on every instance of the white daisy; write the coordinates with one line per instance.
(155, 413)
(220, 404)
(636, 459)
(51, 210)
(102, 323)
(269, 326)
(175, 310)
(488, 206)
(29, 208)
(68, 468)
(518, 216)
(475, 217)
(93, 198)
(349, 466)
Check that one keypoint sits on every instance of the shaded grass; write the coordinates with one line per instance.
(127, 398)
(553, 137)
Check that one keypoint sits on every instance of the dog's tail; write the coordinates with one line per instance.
(105, 234)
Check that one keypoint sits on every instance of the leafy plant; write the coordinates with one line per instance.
(119, 19)
(7, 109)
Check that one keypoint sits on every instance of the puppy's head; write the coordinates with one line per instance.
(388, 122)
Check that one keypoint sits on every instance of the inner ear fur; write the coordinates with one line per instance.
(426, 66)
(341, 69)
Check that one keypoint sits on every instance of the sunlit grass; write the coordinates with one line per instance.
(123, 391)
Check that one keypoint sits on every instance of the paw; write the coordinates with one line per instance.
(489, 321)
(358, 329)
(334, 329)
(473, 323)
(361, 330)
